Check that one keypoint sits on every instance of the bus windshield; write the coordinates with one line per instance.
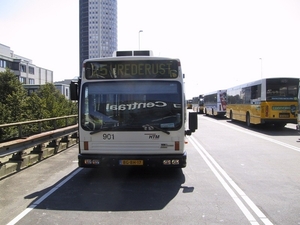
(282, 89)
(131, 106)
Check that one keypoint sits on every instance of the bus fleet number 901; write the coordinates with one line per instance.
(108, 136)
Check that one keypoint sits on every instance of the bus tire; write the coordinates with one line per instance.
(248, 119)
(230, 115)
(279, 125)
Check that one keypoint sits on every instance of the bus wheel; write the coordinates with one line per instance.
(230, 115)
(279, 125)
(248, 120)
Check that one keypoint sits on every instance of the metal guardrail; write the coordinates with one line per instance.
(22, 143)
(19, 125)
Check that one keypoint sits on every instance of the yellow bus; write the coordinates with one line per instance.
(189, 104)
(265, 101)
(298, 111)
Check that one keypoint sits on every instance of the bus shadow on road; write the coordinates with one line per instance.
(124, 189)
(268, 129)
(216, 117)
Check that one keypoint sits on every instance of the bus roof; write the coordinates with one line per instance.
(255, 82)
(133, 53)
(215, 92)
(129, 58)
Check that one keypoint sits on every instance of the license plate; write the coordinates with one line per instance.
(284, 115)
(131, 162)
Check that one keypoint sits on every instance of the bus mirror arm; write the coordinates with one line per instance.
(193, 123)
(74, 90)
(188, 132)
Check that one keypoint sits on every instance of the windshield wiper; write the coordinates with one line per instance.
(160, 129)
(99, 130)
(108, 129)
(151, 126)
(95, 131)
(163, 118)
(146, 127)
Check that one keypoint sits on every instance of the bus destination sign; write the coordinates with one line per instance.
(131, 69)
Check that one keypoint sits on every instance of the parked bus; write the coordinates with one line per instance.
(298, 110)
(189, 104)
(195, 104)
(132, 111)
(215, 103)
(198, 104)
(201, 104)
(266, 101)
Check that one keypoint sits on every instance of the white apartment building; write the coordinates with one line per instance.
(23, 68)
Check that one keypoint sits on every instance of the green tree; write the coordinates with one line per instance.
(54, 104)
(16, 106)
(12, 103)
(13, 97)
(36, 107)
(53, 101)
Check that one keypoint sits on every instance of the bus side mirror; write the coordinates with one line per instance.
(193, 123)
(74, 90)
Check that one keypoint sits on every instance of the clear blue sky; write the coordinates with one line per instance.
(220, 42)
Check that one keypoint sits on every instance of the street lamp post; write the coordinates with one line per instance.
(140, 39)
(261, 72)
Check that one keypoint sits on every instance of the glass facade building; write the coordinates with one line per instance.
(97, 29)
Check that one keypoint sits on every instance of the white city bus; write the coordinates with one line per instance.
(132, 111)
(215, 103)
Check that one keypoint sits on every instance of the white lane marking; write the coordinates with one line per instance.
(261, 136)
(37, 202)
(217, 170)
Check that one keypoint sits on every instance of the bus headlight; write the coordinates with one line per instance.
(88, 161)
(175, 162)
(91, 161)
(95, 162)
(167, 162)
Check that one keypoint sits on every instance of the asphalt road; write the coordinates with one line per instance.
(235, 175)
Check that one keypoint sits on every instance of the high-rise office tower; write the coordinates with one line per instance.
(97, 28)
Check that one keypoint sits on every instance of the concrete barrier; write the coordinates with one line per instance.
(14, 163)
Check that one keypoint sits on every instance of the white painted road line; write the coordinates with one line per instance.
(261, 136)
(37, 202)
(229, 185)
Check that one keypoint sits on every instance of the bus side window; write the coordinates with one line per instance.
(255, 92)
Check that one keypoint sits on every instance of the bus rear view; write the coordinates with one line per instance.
(132, 112)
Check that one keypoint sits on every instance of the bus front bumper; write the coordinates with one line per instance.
(95, 161)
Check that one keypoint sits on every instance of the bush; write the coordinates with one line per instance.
(16, 106)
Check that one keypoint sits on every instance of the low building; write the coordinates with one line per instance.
(64, 89)
(23, 68)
